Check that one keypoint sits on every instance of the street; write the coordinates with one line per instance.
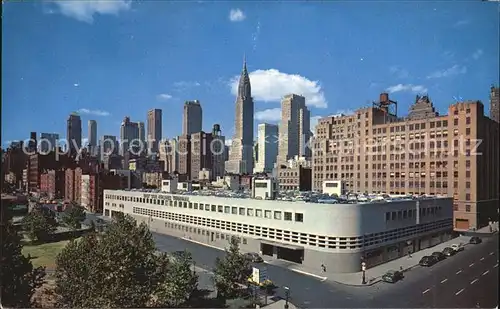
(460, 281)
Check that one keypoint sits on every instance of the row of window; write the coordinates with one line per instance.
(412, 213)
(242, 211)
(373, 239)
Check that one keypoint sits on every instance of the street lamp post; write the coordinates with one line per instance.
(363, 268)
(287, 295)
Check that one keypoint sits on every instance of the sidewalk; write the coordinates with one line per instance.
(374, 275)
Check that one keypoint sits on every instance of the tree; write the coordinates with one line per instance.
(74, 216)
(19, 278)
(39, 223)
(120, 268)
(232, 270)
(180, 284)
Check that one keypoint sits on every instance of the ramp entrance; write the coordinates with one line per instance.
(282, 251)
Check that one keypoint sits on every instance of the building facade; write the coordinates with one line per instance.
(92, 135)
(48, 142)
(218, 152)
(294, 129)
(297, 178)
(241, 155)
(74, 133)
(184, 154)
(52, 184)
(453, 155)
(154, 129)
(201, 153)
(192, 118)
(129, 136)
(267, 139)
(337, 236)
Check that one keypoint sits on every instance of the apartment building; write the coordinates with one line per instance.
(453, 155)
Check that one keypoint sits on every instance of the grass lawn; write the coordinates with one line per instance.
(44, 254)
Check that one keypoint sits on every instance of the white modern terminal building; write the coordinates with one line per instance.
(338, 236)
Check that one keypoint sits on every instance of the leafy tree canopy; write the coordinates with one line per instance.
(39, 223)
(120, 268)
(19, 278)
(231, 271)
(74, 215)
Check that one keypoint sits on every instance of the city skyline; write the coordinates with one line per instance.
(443, 64)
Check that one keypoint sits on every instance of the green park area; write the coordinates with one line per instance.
(44, 254)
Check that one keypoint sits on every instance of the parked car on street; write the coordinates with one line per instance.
(392, 276)
(475, 240)
(439, 255)
(428, 261)
(458, 247)
(448, 251)
(253, 257)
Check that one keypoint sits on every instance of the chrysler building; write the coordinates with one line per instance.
(241, 157)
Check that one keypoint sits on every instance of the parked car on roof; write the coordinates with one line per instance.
(392, 276)
(475, 240)
(448, 251)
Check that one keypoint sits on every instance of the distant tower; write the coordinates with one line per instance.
(92, 137)
(192, 119)
(154, 129)
(241, 156)
(74, 133)
(129, 134)
(294, 130)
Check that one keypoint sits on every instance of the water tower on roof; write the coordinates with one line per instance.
(389, 106)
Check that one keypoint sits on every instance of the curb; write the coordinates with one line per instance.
(374, 281)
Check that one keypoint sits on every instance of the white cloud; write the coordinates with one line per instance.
(84, 10)
(454, 70)
(85, 141)
(228, 142)
(270, 114)
(95, 112)
(163, 97)
(236, 15)
(346, 112)
(76, 84)
(407, 88)
(271, 85)
(477, 54)
(399, 72)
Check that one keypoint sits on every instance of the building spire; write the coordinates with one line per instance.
(244, 89)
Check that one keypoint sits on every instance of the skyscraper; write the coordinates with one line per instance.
(48, 142)
(495, 103)
(142, 134)
(294, 129)
(74, 133)
(92, 128)
(129, 136)
(154, 129)
(267, 139)
(218, 152)
(241, 156)
(192, 117)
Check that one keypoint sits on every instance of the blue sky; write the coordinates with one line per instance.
(115, 59)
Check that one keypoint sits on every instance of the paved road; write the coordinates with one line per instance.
(305, 291)
(436, 287)
(461, 281)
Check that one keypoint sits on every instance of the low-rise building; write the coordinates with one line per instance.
(52, 183)
(338, 236)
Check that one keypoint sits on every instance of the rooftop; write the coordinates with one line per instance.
(295, 196)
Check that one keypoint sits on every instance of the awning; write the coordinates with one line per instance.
(280, 244)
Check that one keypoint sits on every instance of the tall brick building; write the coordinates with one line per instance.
(456, 155)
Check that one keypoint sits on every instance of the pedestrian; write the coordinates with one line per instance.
(409, 254)
(323, 267)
